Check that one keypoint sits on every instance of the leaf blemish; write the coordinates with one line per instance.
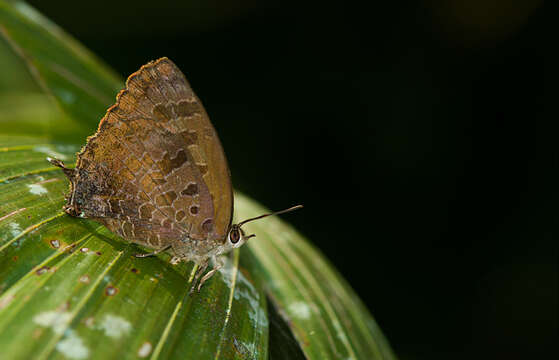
(84, 279)
(145, 349)
(37, 189)
(115, 326)
(111, 290)
(300, 309)
(72, 346)
(15, 229)
(56, 320)
(40, 271)
(55, 243)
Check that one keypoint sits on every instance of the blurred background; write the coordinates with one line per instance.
(417, 134)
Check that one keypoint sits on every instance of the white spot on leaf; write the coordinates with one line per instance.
(300, 309)
(115, 326)
(56, 320)
(15, 229)
(37, 189)
(72, 347)
(145, 349)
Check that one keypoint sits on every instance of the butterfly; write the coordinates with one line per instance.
(155, 173)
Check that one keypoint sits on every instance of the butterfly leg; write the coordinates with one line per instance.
(201, 268)
(218, 264)
(153, 253)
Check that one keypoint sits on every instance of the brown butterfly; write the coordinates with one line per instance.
(155, 172)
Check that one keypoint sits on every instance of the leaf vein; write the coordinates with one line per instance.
(32, 172)
(230, 301)
(29, 229)
(171, 321)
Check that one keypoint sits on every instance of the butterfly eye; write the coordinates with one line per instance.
(234, 236)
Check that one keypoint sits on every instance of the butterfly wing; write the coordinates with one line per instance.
(178, 110)
(155, 171)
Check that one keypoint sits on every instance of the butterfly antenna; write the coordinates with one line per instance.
(293, 208)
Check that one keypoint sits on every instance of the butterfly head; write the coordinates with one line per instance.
(237, 237)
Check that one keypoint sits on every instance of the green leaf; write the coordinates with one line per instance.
(80, 83)
(71, 289)
(325, 315)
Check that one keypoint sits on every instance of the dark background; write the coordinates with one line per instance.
(417, 134)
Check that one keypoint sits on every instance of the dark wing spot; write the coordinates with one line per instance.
(187, 108)
(115, 206)
(190, 190)
(162, 113)
(169, 164)
(180, 215)
(178, 160)
(166, 198)
(171, 195)
(194, 209)
(202, 168)
(207, 225)
(190, 137)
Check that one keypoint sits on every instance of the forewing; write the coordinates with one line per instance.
(178, 110)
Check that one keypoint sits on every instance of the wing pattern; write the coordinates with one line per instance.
(155, 171)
